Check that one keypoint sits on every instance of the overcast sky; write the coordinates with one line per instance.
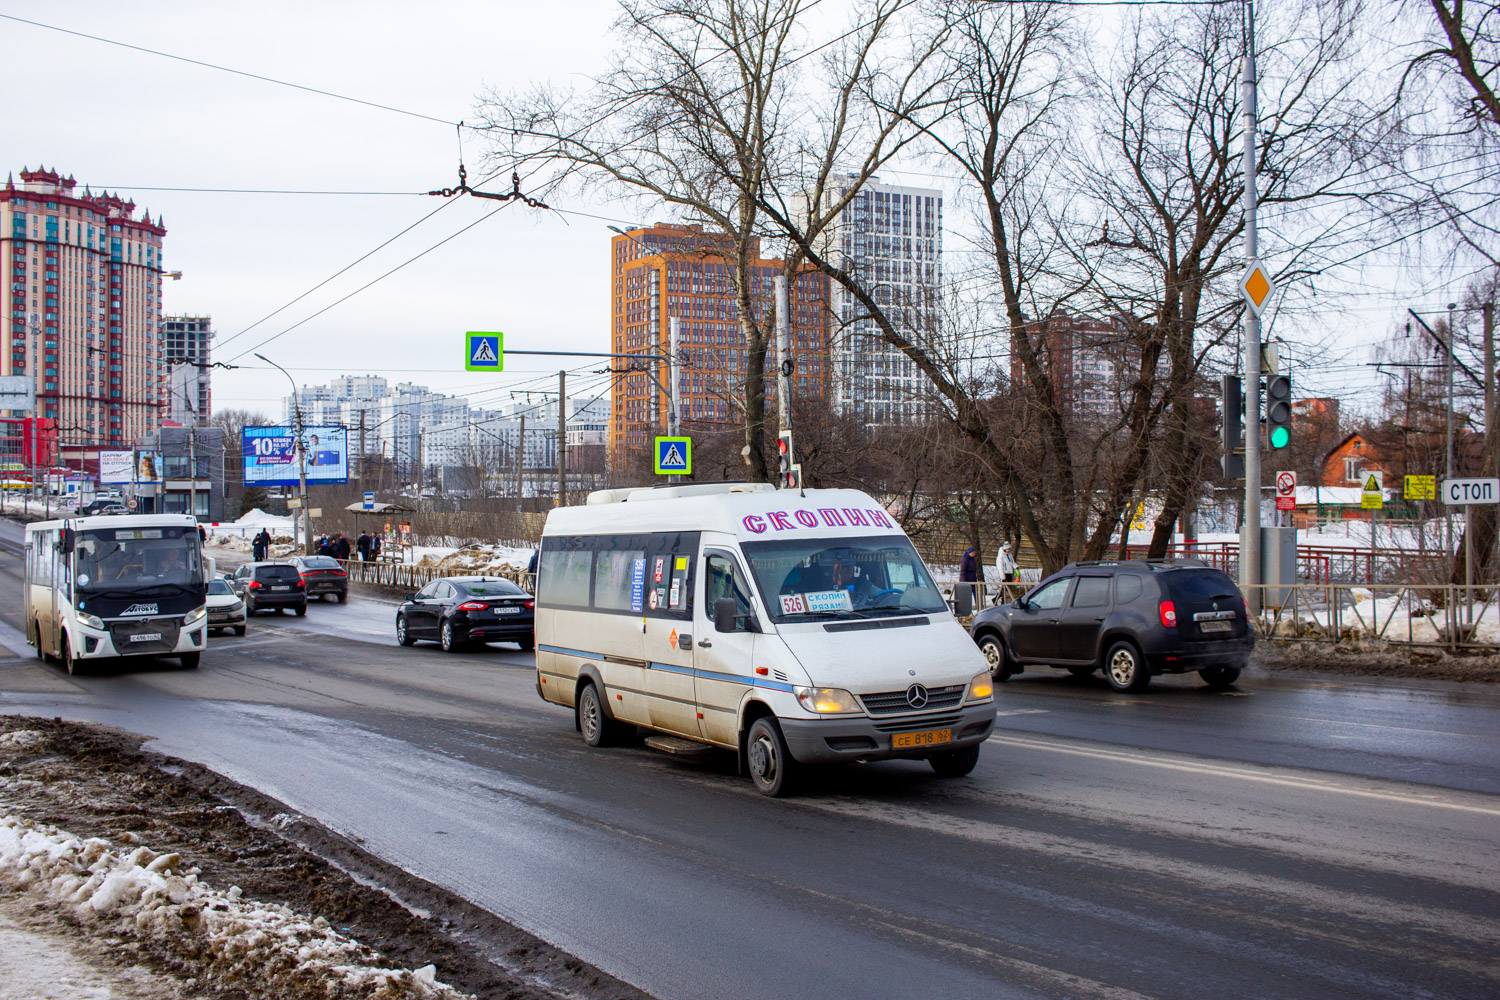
(126, 121)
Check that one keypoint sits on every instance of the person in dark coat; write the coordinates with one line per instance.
(968, 583)
(260, 545)
(362, 544)
(341, 548)
(375, 545)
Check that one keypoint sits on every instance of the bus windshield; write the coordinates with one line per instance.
(136, 558)
(810, 578)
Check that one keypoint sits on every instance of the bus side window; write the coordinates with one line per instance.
(669, 574)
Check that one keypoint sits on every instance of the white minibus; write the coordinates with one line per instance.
(792, 626)
(116, 586)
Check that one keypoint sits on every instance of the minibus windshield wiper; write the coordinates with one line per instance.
(819, 614)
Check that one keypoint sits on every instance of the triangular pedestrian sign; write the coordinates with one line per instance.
(484, 353)
(673, 458)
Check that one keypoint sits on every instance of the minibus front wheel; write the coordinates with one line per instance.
(770, 764)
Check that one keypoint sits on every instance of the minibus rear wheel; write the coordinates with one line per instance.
(598, 729)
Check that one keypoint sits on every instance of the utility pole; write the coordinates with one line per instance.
(784, 352)
(1448, 366)
(1250, 530)
(421, 463)
(521, 463)
(674, 381)
(562, 439)
(361, 477)
(1490, 430)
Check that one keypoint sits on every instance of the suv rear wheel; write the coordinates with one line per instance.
(994, 654)
(1124, 667)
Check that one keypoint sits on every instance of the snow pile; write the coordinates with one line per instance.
(492, 559)
(235, 941)
(20, 738)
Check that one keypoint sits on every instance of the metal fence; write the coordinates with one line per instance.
(411, 578)
(1445, 616)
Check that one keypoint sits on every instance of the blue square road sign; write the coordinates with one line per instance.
(674, 456)
(484, 352)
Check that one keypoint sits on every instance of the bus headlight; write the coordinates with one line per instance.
(92, 621)
(194, 616)
(981, 688)
(826, 701)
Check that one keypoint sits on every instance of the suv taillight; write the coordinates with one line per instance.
(253, 585)
(1168, 614)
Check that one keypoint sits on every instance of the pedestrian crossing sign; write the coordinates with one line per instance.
(484, 352)
(674, 456)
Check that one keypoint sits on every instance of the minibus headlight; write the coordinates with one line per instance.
(92, 621)
(827, 701)
(195, 615)
(981, 688)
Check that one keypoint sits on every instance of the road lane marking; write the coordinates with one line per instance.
(1025, 711)
(1244, 774)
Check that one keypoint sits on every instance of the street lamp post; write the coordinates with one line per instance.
(301, 457)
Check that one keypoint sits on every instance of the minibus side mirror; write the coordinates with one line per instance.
(724, 616)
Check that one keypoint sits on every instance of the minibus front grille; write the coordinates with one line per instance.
(163, 630)
(918, 722)
(896, 702)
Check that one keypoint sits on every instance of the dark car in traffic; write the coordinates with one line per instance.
(1132, 619)
(459, 610)
(270, 586)
(323, 577)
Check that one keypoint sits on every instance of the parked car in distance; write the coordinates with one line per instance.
(225, 609)
(1131, 618)
(98, 505)
(270, 586)
(114, 508)
(458, 610)
(323, 576)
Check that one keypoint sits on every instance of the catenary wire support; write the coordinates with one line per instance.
(514, 194)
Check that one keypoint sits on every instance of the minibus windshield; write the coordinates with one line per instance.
(138, 559)
(808, 578)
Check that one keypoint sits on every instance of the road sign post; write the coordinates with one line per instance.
(369, 501)
(674, 456)
(484, 351)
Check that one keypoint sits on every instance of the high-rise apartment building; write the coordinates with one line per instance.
(665, 271)
(1089, 362)
(892, 238)
(187, 345)
(80, 296)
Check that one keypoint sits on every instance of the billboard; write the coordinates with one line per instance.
(148, 467)
(270, 455)
(116, 467)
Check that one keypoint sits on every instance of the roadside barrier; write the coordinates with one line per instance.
(411, 578)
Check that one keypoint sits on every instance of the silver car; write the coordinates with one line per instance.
(225, 609)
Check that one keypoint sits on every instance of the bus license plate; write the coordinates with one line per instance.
(1214, 626)
(146, 637)
(926, 738)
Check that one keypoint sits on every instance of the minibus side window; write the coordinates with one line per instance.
(565, 572)
(723, 580)
(669, 574)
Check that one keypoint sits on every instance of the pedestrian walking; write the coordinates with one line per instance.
(531, 568)
(375, 545)
(362, 544)
(968, 583)
(1005, 568)
(260, 546)
(202, 535)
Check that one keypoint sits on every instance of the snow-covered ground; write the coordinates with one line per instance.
(123, 887)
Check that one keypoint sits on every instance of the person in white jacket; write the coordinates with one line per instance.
(1005, 566)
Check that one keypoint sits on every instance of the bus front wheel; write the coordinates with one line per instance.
(67, 657)
(189, 661)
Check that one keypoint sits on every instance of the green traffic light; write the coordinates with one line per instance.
(1280, 436)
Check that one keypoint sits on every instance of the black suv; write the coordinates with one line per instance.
(1133, 619)
(273, 585)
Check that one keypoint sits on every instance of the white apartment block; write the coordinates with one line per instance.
(892, 237)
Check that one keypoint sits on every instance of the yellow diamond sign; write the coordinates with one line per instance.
(1257, 286)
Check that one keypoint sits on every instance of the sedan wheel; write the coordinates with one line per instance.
(402, 636)
(447, 639)
(1125, 669)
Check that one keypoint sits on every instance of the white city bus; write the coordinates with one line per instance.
(115, 586)
(790, 626)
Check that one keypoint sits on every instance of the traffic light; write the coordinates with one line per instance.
(784, 449)
(1279, 411)
(1232, 426)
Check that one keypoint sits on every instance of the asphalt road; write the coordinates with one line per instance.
(1292, 838)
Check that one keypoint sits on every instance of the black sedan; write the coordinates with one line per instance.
(458, 610)
(323, 576)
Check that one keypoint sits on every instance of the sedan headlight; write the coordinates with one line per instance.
(827, 701)
(92, 621)
(194, 616)
(981, 688)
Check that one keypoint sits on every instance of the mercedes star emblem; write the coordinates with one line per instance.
(916, 696)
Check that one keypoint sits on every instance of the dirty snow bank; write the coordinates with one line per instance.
(259, 947)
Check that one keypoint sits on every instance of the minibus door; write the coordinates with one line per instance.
(724, 660)
(669, 634)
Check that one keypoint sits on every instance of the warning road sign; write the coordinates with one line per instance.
(1286, 491)
(1420, 488)
(674, 456)
(1372, 490)
(484, 352)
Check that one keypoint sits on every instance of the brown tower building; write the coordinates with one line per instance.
(666, 271)
(81, 300)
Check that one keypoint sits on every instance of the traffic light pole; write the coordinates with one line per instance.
(788, 368)
(1250, 529)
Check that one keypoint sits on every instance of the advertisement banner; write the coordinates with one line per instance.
(116, 466)
(148, 467)
(270, 455)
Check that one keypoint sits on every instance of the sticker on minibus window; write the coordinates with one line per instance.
(681, 562)
(638, 583)
(676, 593)
(791, 604)
(661, 567)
